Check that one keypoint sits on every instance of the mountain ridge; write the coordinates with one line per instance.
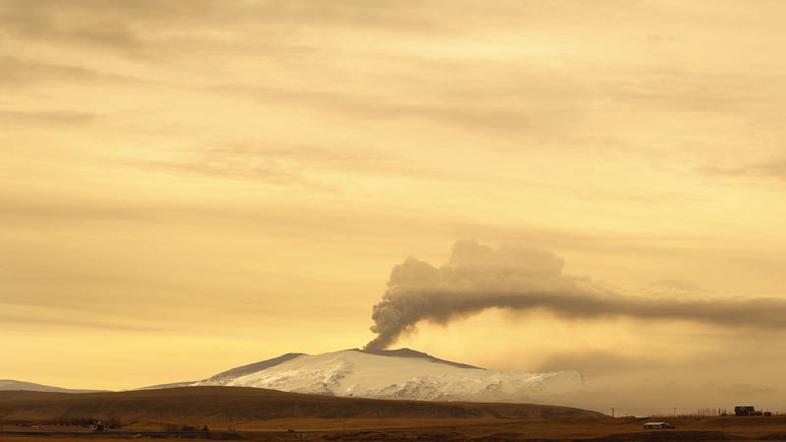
(403, 374)
(15, 385)
(410, 353)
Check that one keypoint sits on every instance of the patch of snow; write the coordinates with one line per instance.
(355, 373)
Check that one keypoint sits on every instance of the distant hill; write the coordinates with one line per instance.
(172, 385)
(12, 385)
(219, 404)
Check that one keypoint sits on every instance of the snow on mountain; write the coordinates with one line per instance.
(394, 374)
(11, 385)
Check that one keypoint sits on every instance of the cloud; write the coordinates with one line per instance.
(56, 320)
(672, 287)
(594, 363)
(478, 277)
(524, 102)
(81, 22)
(22, 71)
(49, 118)
(294, 165)
(141, 27)
(771, 168)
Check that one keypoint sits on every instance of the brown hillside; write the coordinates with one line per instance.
(220, 404)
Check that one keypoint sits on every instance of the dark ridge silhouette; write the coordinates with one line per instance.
(218, 404)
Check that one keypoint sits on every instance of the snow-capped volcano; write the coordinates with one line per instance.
(393, 374)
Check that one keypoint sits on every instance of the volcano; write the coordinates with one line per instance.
(392, 374)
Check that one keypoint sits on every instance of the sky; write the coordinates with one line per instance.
(189, 186)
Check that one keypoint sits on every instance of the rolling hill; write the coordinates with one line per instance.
(222, 404)
(12, 385)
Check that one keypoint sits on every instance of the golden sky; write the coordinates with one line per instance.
(188, 186)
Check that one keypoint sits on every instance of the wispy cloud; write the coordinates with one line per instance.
(594, 363)
(772, 168)
(45, 118)
(74, 317)
(454, 107)
(26, 71)
(143, 28)
(298, 165)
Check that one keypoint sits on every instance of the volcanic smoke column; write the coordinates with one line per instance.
(478, 277)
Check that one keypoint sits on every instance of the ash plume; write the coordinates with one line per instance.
(478, 277)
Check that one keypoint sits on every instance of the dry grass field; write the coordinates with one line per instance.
(254, 414)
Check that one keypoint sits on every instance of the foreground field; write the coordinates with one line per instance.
(223, 413)
(437, 430)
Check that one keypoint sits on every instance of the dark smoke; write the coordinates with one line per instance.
(478, 278)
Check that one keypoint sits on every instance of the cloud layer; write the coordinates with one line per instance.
(192, 169)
